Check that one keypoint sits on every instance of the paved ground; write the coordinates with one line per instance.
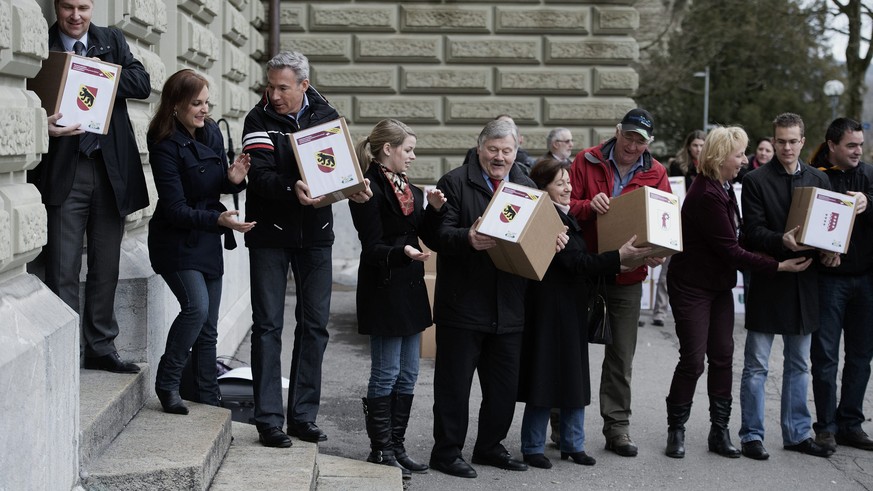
(346, 369)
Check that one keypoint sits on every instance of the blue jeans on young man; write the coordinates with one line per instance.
(194, 330)
(313, 277)
(846, 307)
(794, 415)
(393, 365)
(535, 422)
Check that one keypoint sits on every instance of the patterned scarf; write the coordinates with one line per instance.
(402, 191)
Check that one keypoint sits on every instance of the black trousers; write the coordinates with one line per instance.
(460, 353)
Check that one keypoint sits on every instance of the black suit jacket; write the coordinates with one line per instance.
(55, 173)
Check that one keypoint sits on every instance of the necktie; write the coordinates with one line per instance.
(88, 141)
(495, 183)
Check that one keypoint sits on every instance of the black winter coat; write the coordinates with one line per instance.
(858, 259)
(471, 293)
(554, 355)
(54, 175)
(190, 175)
(782, 303)
(391, 295)
(271, 199)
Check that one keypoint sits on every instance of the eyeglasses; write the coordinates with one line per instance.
(564, 141)
(629, 135)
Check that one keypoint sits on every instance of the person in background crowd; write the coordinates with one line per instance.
(293, 233)
(701, 281)
(785, 304)
(189, 163)
(392, 303)
(685, 164)
(478, 310)
(598, 174)
(89, 183)
(559, 142)
(846, 299)
(764, 152)
(554, 358)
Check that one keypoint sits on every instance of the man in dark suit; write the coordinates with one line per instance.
(89, 183)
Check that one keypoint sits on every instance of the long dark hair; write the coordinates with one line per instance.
(684, 155)
(179, 89)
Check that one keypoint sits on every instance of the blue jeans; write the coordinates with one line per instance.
(795, 417)
(393, 364)
(195, 330)
(846, 307)
(269, 277)
(535, 422)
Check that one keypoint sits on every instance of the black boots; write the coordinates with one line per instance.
(719, 436)
(171, 401)
(400, 408)
(378, 416)
(677, 416)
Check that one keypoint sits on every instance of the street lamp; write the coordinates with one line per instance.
(705, 75)
(834, 89)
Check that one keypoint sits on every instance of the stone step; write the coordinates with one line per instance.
(107, 403)
(252, 467)
(164, 451)
(341, 474)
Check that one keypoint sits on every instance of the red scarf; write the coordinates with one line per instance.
(402, 191)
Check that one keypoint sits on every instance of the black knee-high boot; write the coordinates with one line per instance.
(400, 409)
(677, 416)
(719, 436)
(378, 415)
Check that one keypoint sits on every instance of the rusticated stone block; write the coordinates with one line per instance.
(586, 112)
(398, 49)
(5, 237)
(236, 28)
(357, 79)
(425, 169)
(241, 5)
(445, 80)
(481, 110)
(6, 25)
(257, 45)
(342, 104)
(600, 135)
(234, 100)
(615, 81)
(257, 81)
(410, 110)
(494, 50)
(203, 10)
(16, 127)
(573, 81)
(445, 19)
(619, 51)
(319, 48)
(616, 20)
(542, 20)
(234, 63)
(374, 18)
(196, 44)
(446, 140)
(257, 14)
(27, 214)
(140, 19)
(153, 65)
(28, 35)
(139, 120)
(291, 16)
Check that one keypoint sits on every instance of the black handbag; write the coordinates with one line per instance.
(599, 330)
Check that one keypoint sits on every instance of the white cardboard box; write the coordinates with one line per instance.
(825, 217)
(327, 161)
(82, 89)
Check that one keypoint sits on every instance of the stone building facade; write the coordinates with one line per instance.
(445, 68)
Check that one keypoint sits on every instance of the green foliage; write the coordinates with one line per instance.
(765, 57)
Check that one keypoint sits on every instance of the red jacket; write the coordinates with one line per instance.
(591, 174)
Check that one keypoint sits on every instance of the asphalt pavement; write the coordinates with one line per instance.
(346, 370)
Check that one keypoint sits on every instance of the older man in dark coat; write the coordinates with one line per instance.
(89, 183)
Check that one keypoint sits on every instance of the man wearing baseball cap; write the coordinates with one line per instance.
(598, 174)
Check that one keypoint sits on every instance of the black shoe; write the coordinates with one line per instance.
(826, 440)
(308, 432)
(457, 467)
(658, 322)
(580, 458)
(622, 445)
(857, 439)
(538, 460)
(110, 363)
(809, 447)
(755, 450)
(274, 437)
(171, 401)
(501, 460)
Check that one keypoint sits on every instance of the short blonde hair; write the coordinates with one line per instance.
(720, 143)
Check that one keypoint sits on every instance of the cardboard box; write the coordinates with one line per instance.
(82, 89)
(428, 337)
(825, 218)
(650, 214)
(525, 223)
(327, 161)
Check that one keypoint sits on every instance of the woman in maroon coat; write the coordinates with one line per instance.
(700, 284)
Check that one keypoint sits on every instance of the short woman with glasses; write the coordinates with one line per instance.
(189, 164)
